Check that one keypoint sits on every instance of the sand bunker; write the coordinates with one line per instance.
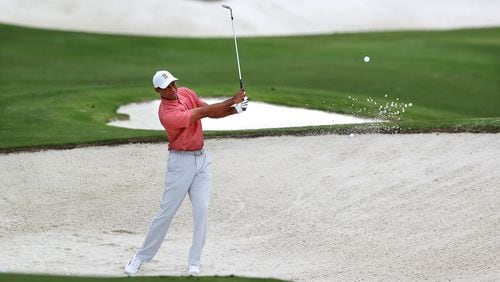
(262, 115)
(337, 208)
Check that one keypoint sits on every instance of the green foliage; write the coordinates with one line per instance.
(62, 87)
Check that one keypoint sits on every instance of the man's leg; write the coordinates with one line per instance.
(180, 175)
(199, 193)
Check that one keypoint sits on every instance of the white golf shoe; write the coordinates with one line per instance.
(133, 266)
(194, 270)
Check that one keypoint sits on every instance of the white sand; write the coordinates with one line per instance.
(372, 207)
(255, 17)
(260, 115)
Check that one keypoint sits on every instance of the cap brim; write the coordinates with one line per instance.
(167, 82)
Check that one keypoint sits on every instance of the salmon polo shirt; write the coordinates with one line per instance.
(174, 116)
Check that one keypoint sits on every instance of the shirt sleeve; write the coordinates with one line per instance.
(176, 119)
(197, 100)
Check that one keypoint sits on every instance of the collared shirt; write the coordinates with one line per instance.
(175, 117)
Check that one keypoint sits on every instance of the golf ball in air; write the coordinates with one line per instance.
(366, 59)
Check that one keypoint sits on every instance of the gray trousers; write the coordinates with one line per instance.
(186, 174)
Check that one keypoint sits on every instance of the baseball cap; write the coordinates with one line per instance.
(162, 79)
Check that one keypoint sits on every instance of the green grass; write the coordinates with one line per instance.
(54, 278)
(60, 88)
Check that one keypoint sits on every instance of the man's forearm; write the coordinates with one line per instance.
(225, 113)
(217, 110)
(223, 110)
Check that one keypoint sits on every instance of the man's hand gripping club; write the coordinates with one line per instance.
(243, 105)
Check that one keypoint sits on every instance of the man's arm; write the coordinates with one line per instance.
(218, 110)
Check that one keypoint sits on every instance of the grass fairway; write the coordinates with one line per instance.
(60, 88)
(48, 278)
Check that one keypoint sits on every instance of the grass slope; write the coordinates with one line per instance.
(62, 87)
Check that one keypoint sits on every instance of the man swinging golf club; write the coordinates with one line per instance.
(188, 167)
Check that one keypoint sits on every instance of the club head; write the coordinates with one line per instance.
(230, 10)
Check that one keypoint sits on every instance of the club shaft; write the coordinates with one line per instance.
(237, 53)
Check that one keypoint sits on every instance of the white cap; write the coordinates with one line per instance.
(162, 79)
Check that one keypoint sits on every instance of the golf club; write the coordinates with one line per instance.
(235, 45)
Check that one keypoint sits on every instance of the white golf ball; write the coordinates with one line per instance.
(366, 59)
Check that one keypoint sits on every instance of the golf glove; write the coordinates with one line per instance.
(240, 107)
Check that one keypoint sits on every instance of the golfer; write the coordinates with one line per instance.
(188, 166)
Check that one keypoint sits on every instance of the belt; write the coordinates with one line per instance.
(190, 153)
